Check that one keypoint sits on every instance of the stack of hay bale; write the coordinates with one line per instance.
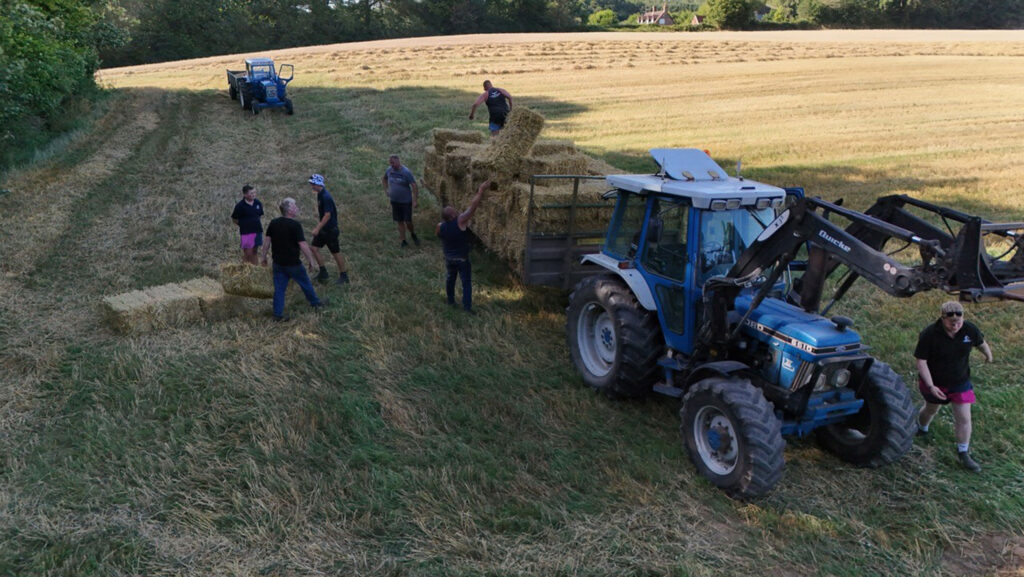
(459, 160)
(171, 305)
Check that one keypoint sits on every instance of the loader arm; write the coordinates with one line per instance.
(956, 264)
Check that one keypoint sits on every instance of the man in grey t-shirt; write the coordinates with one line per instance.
(400, 186)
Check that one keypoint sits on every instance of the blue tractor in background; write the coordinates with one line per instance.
(708, 289)
(260, 86)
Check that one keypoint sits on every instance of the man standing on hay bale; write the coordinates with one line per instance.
(247, 215)
(401, 189)
(455, 242)
(326, 231)
(499, 103)
(285, 237)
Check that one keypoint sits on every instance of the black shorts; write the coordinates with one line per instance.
(401, 211)
(328, 238)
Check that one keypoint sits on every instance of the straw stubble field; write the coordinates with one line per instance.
(392, 435)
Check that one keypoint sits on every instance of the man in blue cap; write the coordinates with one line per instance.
(326, 231)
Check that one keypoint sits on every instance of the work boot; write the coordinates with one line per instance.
(323, 276)
(968, 463)
(405, 243)
(342, 278)
(319, 307)
(282, 318)
(415, 239)
(924, 435)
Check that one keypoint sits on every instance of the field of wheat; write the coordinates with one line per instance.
(392, 435)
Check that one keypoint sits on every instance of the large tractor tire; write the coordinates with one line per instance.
(288, 107)
(614, 342)
(733, 436)
(883, 430)
(245, 96)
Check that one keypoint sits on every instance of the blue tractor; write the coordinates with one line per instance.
(708, 289)
(260, 86)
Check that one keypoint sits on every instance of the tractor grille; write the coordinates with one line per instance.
(272, 92)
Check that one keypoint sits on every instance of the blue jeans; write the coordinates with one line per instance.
(457, 267)
(283, 274)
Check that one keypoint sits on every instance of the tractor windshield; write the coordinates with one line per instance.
(724, 235)
(261, 71)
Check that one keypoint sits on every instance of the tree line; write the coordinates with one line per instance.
(50, 49)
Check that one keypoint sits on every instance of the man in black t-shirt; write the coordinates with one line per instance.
(326, 231)
(285, 238)
(943, 364)
(247, 215)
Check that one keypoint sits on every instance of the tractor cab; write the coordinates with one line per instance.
(680, 227)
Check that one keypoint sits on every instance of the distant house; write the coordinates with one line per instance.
(697, 20)
(656, 17)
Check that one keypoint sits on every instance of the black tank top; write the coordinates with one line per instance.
(497, 106)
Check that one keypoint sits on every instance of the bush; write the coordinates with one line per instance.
(46, 62)
(603, 18)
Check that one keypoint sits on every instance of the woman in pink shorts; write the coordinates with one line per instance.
(943, 365)
(247, 215)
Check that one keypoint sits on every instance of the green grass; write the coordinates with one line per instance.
(393, 435)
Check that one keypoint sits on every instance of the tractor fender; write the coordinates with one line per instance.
(715, 369)
(632, 277)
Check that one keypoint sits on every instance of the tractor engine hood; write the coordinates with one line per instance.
(783, 325)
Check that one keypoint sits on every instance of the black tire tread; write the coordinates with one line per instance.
(899, 421)
(639, 335)
(760, 429)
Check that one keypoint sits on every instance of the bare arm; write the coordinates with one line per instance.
(473, 204)
(415, 194)
(321, 224)
(926, 377)
(480, 100)
(266, 249)
(304, 247)
(987, 351)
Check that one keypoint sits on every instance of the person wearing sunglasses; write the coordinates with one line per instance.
(944, 374)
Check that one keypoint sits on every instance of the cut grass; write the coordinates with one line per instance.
(394, 435)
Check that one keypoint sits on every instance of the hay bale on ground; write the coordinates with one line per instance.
(214, 303)
(514, 141)
(151, 309)
(247, 280)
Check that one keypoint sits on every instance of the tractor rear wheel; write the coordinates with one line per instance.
(614, 342)
(883, 430)
(733, 436)
(245, 96)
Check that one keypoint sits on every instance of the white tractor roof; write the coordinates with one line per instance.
(691, 173)
(259, 61)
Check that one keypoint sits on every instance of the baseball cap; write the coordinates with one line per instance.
(317, 179)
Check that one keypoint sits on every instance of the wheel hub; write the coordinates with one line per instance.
(716, 440)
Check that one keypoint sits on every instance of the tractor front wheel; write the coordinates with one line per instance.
(255, 107)
(883, 430)
(733, 436)
(288, 108)
(614, 342)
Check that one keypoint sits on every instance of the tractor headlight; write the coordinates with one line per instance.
(840, 378)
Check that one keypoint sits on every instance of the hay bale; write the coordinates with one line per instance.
(562, 163)
(546, 147)
(515, 140)
(214, 303)
(442, 136)
(247, 280)
(151, 309)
